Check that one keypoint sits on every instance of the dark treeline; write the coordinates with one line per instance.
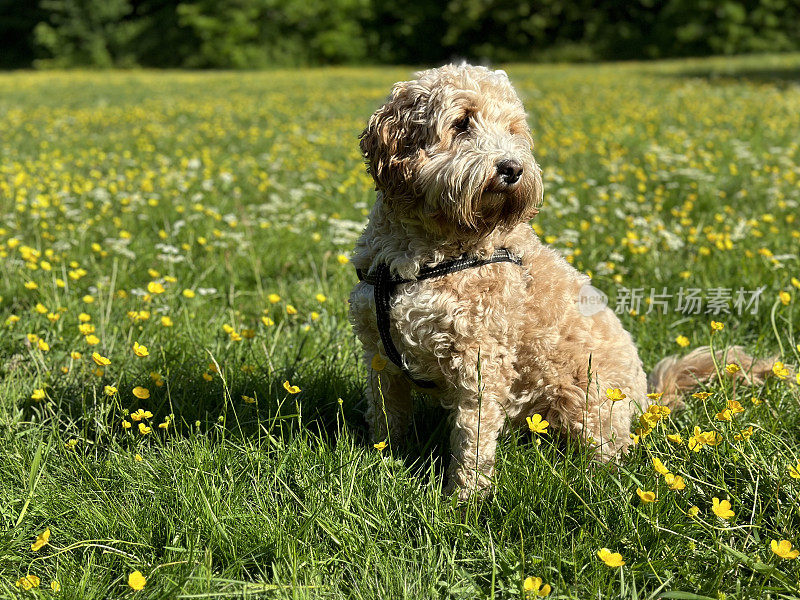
(260, 33)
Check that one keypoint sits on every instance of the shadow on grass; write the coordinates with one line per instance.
(237, 405)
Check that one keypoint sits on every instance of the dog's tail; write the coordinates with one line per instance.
(673, 375)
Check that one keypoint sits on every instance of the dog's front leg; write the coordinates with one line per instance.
(479, 419)
(389, 406)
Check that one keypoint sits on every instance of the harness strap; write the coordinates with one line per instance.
(384, 286)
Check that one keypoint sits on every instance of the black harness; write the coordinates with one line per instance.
(384, 285)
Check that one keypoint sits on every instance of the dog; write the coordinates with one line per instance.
(495, 341)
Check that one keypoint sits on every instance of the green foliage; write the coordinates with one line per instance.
(87, 33)
(261, 33)
(258, 33)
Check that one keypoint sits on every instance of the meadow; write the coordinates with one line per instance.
(181, 394)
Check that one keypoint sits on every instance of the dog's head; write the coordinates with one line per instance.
(454, 149)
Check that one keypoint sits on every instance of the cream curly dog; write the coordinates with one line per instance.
(451, 156)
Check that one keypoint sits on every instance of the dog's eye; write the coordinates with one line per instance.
(462, 124)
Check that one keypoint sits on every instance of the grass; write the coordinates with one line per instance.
(248, 191)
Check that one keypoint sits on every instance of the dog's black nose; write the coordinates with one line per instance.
(509, 170)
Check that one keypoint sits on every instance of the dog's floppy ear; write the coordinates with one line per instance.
(393, 140)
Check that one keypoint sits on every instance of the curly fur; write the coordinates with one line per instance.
(501, 342)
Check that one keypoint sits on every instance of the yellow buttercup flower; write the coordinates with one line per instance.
(735, 407)
(717, 326)
(744, 434)
(784, 549)
(380, 445)
(646, 497)
(38, 394)
(615, 394)
(697, 440)
(694, 511)
(533, 586)
(92, 340)
(141, 392)
(649, 419)
(274, 298)
(290, 310)
(659, 467)
(320, 298)
(267, 321)
(612, 559)
(144, 429)
(41, 540)
(55, 586)
(536, 424)
(155, 288)
(187, 293)
(675, 482)
(732, 368)
(28, 582)
(794, 471)
(141, 414)
(724, 415)
(136, 580)
(780, 370)
(784, 297)
(722, 509)
(140, 350)
(701, 395)
(675, 438)
(100, 360)
(292, 389)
